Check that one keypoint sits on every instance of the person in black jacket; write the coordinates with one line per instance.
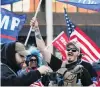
(72, 52)
(12, 56)
(88, 66)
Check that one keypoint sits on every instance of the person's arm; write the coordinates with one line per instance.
(54, 62)
(24, 80)
(8, 78)
(39, 41)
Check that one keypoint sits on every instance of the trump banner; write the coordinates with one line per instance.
(60, 43)
(10, 25)
(87, 4)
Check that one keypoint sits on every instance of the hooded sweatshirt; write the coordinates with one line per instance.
(8, 56)
(9, 67)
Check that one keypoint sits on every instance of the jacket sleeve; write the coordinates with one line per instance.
(86, 78)
(90, 69)
(9, 79)
(55, 63)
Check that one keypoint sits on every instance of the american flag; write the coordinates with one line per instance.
(37, 84)
(88, 47)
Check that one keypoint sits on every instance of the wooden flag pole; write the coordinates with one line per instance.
(37, 10)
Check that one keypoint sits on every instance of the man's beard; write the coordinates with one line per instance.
(70, 61)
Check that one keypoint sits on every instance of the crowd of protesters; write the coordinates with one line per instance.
(12, 59)
(21, 68)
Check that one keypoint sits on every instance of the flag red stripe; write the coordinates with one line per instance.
(91, 50)
(87, 38)
(86, 57)
(38, 83)
(7, 37)
(88, 43)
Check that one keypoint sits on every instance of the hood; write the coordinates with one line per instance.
(8, 56)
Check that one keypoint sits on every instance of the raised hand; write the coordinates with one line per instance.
(34, 24)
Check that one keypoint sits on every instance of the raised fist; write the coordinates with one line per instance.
(34, 23)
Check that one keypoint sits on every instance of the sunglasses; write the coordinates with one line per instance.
(72, 49)
(31, 60)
